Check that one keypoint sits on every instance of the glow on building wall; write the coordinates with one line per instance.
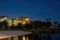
(9, 22)
(15, 22)
(23, 20)
(2, 18)
(27, 20)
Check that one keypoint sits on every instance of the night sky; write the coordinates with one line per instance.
(35, 9)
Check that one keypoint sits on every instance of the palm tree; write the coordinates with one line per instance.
(27, 26)
(59, 25)
(5, 24)
(38, 23)
(48, 22)
(55, 23)
(19, 26)
(48, 19)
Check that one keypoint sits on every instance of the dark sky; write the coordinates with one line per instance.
(35, 9)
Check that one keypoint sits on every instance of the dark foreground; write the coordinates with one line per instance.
(45, 34)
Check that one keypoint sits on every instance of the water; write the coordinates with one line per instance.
(43, 36)
(53, 36)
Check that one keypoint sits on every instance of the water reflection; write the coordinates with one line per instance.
(55, 36)
(45, 36)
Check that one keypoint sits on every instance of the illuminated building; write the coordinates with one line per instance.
(6, 18)
(9, 21)
(15, 22)
(2, 18)
(23, 20)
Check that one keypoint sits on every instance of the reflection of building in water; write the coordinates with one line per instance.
(23, 20)
(14, 35)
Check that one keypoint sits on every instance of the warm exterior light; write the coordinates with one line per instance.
(23, 22)
(27, 19)
(15, 22)
(5, 18)
(9, 22)
(1, 20)
(19, 21)
(51, 27)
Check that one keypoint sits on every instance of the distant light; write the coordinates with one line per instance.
(15, 22)
(51, 27)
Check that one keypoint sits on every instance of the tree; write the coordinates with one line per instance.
(1, 24)
(43, 25)
(48, 19)
(55, 23)
(19, 26)
(33, 25)
(36, 24)
(48, 24)
(59, 25)
(28, 26)
(5, 24)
